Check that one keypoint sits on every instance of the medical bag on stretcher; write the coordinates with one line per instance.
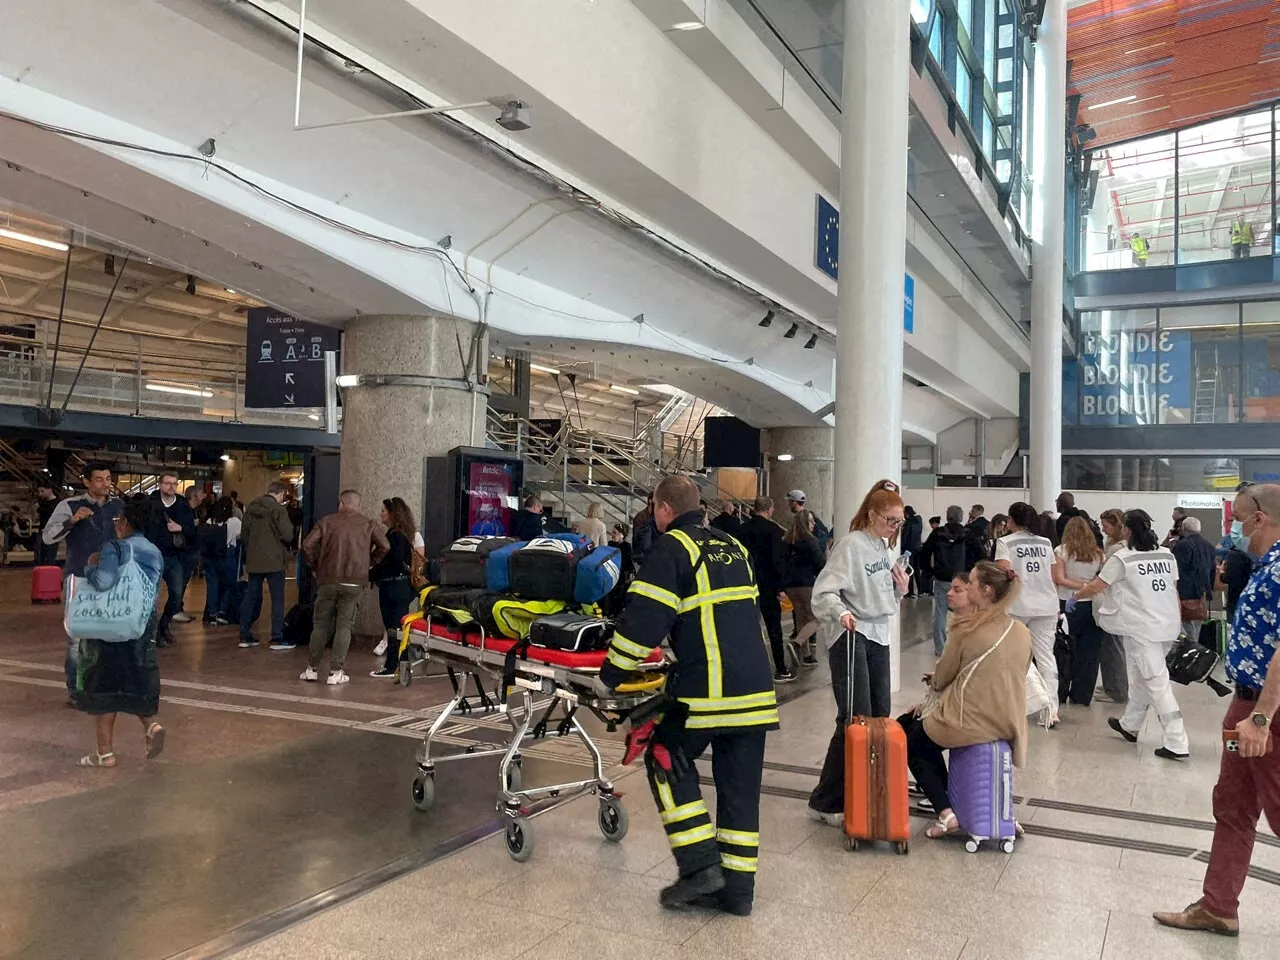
(547, 568)
(576, 632)
(463, 562)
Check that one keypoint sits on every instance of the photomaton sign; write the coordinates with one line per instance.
(284, 360)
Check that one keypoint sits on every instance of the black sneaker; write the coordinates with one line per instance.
(1164, 753)
(684, 891)
(384, 672)
(1114, 724)
(785, 675)
(718, 901)
(810, 660)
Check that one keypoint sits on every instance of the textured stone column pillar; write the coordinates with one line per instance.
(811, 469)
(388, 431)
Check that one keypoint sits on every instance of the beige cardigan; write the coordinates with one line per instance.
(993, 703)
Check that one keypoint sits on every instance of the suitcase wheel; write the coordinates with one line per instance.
(1007, 846)
(971, 845)
(902, 848)
(850, 843)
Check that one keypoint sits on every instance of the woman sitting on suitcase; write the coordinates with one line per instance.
(978, 688)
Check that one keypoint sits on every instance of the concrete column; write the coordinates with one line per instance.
(873, 237)
(810, 469)
(1049, 163)
(388, 431)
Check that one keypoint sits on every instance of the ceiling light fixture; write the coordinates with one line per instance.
(541, 369)
(185, 391)
(347, 380)
(225, 458)
(768, 319)
(621, 389)
(191, 285)
(941, 196)
(1111, 103)
(791, 334)
(813, 342)
(109, 265)
(38, 241)
(783, 457)
(228, 289)
(684, 25)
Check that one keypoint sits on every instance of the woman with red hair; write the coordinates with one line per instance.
(854, 598)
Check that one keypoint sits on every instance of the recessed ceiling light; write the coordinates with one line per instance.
(1111, 103)
(941, 195)
(688, 25)
(541, 369)
(621, 389)
(228, 289)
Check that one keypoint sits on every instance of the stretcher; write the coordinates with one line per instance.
(517, 672)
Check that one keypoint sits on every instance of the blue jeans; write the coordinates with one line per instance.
(940, 588)
(252, 606)
(220, 584)
(175, 582)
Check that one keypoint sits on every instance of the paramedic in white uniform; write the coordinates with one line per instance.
(1139, 604)
(1030, 556)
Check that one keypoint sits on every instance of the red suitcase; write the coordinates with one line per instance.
(46, 584)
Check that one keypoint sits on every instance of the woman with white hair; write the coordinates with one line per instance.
(593, 526)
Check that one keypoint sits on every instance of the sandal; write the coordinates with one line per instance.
(98, 760)
(947, 824)
(155, 741)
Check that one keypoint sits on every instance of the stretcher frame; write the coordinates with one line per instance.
(569, 688)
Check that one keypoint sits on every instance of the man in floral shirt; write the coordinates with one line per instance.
(1249, 779)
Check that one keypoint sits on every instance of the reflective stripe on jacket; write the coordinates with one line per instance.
(696, 586)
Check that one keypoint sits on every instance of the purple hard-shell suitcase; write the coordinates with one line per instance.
(980, 785)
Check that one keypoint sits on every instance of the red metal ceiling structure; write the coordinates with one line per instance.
(1145, 66)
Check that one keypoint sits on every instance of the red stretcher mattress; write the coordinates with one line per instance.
(591, 660)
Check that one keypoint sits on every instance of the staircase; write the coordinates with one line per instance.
(574, 468)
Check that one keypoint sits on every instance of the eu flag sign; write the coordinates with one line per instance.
(827, 245)
(826, 257)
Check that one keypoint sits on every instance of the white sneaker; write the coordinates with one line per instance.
(309, 674)
(338, 677)
(830, 819)
(381, 649)
(181, 617)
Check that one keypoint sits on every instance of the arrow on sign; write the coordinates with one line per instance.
(288, 378)
(288, 399)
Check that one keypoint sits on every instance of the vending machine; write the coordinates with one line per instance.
(472, 491)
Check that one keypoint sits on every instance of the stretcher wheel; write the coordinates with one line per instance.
(424, 792)
(850, 843)
(971, 845)
(515, 777)
(902, 848)
(1007, 846)
(613, 820)
(519, 839)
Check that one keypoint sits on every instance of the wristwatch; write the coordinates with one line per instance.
(1260, 720)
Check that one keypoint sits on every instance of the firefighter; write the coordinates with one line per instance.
(697, 586)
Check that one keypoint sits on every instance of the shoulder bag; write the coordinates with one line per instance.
(115, 615)
(933, 698)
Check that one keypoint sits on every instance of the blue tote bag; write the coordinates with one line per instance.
(118, 614)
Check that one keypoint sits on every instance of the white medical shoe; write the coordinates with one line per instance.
(309, 674)
(381, 649)
(337, 677)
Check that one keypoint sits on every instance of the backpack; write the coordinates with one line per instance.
(212, 541)
(950, 555)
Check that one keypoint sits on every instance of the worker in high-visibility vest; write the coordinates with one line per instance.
(1241, 238)
(1141, 249)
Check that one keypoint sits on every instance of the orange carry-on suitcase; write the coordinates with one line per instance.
(875, 779)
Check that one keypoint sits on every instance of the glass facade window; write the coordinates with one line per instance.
(1218, 474)
(1260, 349)
(1198, 195)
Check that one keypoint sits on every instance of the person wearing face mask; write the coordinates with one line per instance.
(1236, 568)
(855, 597)
(1249, 774)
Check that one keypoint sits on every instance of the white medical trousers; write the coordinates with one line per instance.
(1043, 631)
(1150, 686)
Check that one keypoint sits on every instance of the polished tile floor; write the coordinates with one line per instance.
(278, 825)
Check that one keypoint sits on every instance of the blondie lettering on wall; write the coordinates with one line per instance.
(1131, 376)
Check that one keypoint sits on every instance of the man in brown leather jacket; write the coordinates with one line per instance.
(339, 551)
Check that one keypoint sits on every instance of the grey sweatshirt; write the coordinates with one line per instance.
(857, 579)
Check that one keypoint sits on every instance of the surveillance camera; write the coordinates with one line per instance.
(515, 116)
